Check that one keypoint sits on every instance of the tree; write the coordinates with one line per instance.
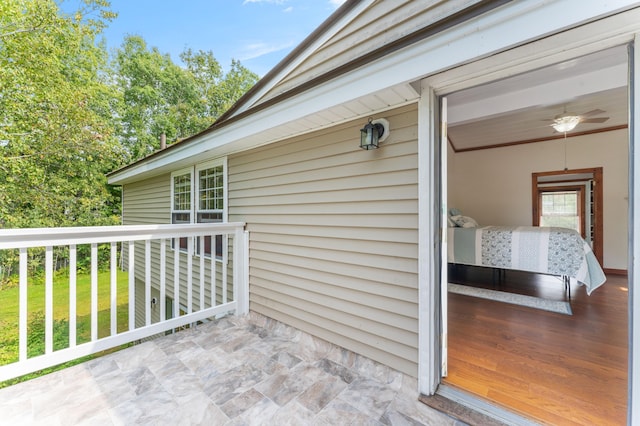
(56, 137)
(158, 96)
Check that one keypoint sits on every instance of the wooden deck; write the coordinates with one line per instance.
(553, 368)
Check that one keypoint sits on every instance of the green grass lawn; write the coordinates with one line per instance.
(36, 301)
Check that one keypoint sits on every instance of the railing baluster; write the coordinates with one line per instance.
(214, 277)
(202, 272)
(240, 270)
(48, 301)
(114, 288)
(22, 320)
(94, 292)
(225, 261)
(163, 279)
(176, 278)
(73, 282)
(147, 282)
(132, 286)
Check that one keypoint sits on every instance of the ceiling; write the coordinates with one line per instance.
(519, 109)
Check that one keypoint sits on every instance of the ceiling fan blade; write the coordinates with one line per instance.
(593, 112)
(595, 120)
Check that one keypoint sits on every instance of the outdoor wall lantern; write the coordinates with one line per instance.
(374, 132)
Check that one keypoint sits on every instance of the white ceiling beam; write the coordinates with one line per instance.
(550, 93)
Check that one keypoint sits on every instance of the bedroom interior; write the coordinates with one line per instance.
(503, 154)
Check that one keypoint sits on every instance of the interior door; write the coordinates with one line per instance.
(592, 181)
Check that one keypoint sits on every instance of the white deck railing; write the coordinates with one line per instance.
(146, 253)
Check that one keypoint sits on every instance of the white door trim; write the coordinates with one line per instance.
(428, 194)
(634, 219)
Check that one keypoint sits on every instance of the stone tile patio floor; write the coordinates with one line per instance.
(232, 371)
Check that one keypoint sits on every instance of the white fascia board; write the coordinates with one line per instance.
(343, 22)
(510, 25)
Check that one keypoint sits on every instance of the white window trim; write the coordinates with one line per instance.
(195, 183)
(225, 215)
(181, 172)
(207, 165)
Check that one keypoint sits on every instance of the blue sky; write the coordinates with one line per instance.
(259, 33)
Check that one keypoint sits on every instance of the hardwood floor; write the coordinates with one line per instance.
(553, 368)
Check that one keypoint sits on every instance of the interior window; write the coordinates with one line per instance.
(561, 209)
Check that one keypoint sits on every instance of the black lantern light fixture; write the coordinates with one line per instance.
(374, 132)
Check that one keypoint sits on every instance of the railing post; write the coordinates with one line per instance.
(240, 271)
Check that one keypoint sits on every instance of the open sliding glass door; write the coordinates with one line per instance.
(634, 229)
(444, 278)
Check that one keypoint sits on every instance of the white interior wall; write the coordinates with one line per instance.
(494, 185)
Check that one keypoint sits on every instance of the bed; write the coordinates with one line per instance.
(544, 250)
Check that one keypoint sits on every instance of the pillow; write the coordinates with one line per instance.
(464, 221)
(452, 224)
(454, 212)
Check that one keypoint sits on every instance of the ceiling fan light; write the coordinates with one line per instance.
(566, 123)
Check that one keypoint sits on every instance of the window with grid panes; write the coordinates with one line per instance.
(560, 208)
(210, 204)
(181, 201)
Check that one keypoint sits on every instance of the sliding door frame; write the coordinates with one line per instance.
(432, 198)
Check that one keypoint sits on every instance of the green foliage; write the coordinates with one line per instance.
(158, 96)
(69, 113)
(56, 135)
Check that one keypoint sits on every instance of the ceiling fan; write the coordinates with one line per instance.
(566, 122)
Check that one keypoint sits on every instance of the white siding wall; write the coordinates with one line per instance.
(333, 236)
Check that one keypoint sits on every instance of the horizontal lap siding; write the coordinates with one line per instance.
(334, 236)
(148, 202)
(381, 24)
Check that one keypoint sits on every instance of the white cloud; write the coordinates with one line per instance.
(334, 3)
(288, 9)
(255, 50)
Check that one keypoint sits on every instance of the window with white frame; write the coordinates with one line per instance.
(210, 206)
(198, 196)
(181, 200)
